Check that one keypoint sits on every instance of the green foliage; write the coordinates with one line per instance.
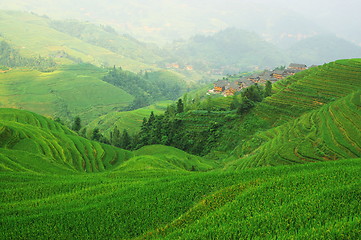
(180, 106)
(77, 124)
(35, 36)
(268, 89)
(245, 105)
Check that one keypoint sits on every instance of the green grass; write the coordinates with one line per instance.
(74, 90)
(314, 201)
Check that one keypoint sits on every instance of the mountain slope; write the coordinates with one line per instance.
(34, 35)
(323, 48)
(230, 49)
(329, 133)
(313, 111)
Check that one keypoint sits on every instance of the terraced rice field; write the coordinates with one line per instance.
(312, 89)
(318, 115)
(22, 131)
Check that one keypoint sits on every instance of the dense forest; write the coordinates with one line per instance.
(144, 86)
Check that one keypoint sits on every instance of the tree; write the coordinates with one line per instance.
(235, 103)
(151, 119)
(268, 89)
(253, 93)
(180, 106)
(246, 105)
(125, 140)
(96, 135)
(76, 124)
(115, 137)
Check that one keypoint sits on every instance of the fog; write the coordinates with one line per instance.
(162, 21)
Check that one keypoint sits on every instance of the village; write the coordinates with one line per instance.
(227, 88)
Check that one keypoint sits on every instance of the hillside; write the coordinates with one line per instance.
(150, 198)
(329, 133)
(55, 184)
(240, 125)
(323, 48)
(229, 51)
(304, 107)
(34, 35)
(74, 90)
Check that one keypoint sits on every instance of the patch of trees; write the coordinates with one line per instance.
(174, 128)
(10, 57)
(145, 91)
(170, 130)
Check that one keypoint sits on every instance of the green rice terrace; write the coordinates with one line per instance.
(290, 169)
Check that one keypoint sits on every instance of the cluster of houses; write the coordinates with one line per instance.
(230, 88)
(178, 66)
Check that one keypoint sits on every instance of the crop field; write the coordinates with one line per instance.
(74, 90)
(312, 89)
(329, 133)
(312, 116)
(21, 131)
(163, 202)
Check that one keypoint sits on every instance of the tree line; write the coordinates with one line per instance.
(11, 58)
(145, 91)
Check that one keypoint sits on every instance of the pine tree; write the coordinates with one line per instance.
(115, 137)
(125, 140)
(77, 124)
(180, 106)
(151, 119)
(268, 89)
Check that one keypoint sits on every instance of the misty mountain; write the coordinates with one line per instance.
(230, 50)
(107, 37)
(323, 48)
(160, 21)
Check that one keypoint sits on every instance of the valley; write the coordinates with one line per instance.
(103, 136)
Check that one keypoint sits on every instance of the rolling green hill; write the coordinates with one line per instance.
(73, 90)
(215, 129)
(55, 184)
(33, 35)
(48, 142)
(147, 198)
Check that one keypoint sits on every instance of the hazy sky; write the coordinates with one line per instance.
(173, 18)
